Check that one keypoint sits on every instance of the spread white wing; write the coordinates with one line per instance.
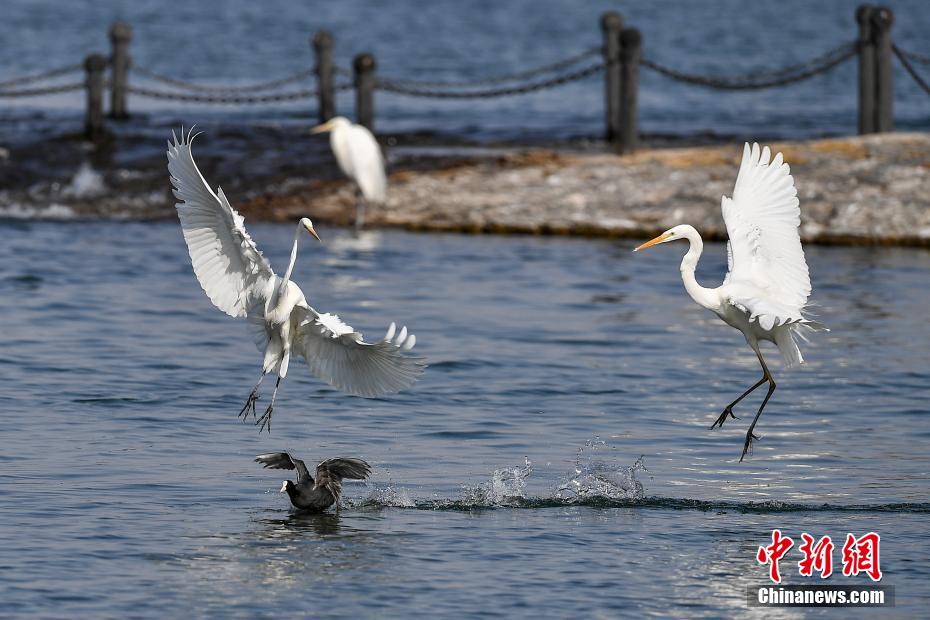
(768, 275)
(359, 156)
(231, 270)
(338, 355)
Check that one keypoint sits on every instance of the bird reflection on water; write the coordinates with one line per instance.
(302, 547)
(299, 523)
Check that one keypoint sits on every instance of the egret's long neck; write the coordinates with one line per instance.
(290, 265)
(702, 296)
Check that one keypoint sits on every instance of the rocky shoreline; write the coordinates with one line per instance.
(857, 190)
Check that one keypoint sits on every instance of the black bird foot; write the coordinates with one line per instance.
(249, 405)
(747, 447)
(723, 417)
(265, 421)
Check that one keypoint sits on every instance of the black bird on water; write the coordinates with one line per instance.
(316, 495)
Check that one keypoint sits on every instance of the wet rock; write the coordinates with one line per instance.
(868, 189)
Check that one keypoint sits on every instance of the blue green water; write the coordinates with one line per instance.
(507, 482)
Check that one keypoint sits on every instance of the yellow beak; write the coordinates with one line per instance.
(313, 232)
(322, 128)
(651, 242)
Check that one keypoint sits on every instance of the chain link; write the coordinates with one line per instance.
(427, 88)
(47, 90)
(223, 99)
(761, 79)
(915, 57)
(522, 89)
(38, 77)
(497, 79)
(300, 76)
(910, 69)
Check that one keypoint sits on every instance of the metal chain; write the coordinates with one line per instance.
(224, 99)
(260, 86)
(497, 79)
(915, 57)
(38, 77)
(910, 69)
(762, 79)
(816, 61)
(48, 90)
(484, 94)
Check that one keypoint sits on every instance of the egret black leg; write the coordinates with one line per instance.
(249, 406)
(265, 421)
(750, 436)
(729, 409)
(359, 212)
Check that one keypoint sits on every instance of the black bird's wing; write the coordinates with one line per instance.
(283, 460)
(331, 472)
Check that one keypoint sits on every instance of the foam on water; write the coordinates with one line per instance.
(18, 211)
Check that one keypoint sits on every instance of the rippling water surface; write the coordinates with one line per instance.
(554, 461)
(242, 42)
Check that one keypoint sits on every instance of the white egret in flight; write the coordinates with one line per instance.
(359, 157)
(765, 291)
(239, 281)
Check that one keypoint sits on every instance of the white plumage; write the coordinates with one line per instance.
(766, 289)
(359, 157)
(765, 258)
(240, 282)
(230, 268)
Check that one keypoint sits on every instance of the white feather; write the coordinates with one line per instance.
(768, 274)
(230, 268)
(347, 362)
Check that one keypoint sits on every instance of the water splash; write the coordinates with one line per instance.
(86, 183)
(507, 487)
(597, 475)
(386, 497)
(597, 481)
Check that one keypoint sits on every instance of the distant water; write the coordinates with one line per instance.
(555, 461)
(240, 42)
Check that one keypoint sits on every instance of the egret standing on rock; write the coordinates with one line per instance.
(359, 157)
(765, 291)
(239, 281)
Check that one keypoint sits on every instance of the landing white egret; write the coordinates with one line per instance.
(765, 292)
(359, 157)
(239, 281)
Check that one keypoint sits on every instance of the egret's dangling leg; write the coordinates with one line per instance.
(250, 401)
(729, 409)
(265, 420)
(359, 211)
(747, 447)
